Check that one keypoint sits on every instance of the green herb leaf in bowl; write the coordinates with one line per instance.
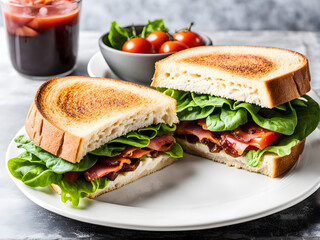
(152, 26)
(117, 36)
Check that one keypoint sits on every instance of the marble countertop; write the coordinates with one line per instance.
(21, 218)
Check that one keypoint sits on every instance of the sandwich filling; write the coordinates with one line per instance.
(38, 168)
(245, 137)
(243, 129)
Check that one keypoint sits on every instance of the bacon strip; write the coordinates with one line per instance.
(162, 143)
(99, 170)
(230, 144)
(191, 127)
(203, 123)
(159, 143)
(134, 152)
(107, 165)
(234, 143)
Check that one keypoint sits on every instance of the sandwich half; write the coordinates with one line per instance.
(88, 136)
(240, 105)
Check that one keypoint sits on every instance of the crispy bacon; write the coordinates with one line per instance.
(159, 143)
(112, 176)
(134, 152)
(203, 123)
(192, 128)
(131, 167)
(234, 143)
(215, 141)
(101, 168)
(129, 159)
(162, 143)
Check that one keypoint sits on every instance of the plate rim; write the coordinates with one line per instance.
(94, 58)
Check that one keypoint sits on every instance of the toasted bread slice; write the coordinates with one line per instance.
(146, 167)
(72, 116)
(271, 164)
(260, 75)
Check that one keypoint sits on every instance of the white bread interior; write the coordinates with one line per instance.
(259, 75)
(146, 167)
(271, 164)
(72, 116)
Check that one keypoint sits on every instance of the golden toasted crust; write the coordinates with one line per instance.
(264, 76)
(74, 115)
(289, 86)
(49, 137)
(271, 164)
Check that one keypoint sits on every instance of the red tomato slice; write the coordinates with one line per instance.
(264, 140)
(254, 135)
(233, 145)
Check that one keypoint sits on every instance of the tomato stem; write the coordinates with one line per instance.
(170, 37)
(134, 32)
(189, 27)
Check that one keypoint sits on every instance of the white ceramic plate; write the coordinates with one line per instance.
(97, 67)
(193, 193)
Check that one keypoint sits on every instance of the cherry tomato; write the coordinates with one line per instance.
(189, 38)
(138, 45)
(172, 46)
(157, 38)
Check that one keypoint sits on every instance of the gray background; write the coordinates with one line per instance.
(207, 14)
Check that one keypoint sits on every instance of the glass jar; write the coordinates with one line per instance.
(42, 36)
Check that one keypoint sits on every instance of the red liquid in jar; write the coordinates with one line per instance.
(43, 45)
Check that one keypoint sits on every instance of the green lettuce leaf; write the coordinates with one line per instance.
(195, 113)
(156, 25)
(282, 148)
(38, 168)
(117, 36)
(224, 118)
(308, 118)
(80, 188)
(31, 171)
(56, 164)
(273, 119)
(224, 114)
(140, 138)
(203, 100)
(176, 151)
